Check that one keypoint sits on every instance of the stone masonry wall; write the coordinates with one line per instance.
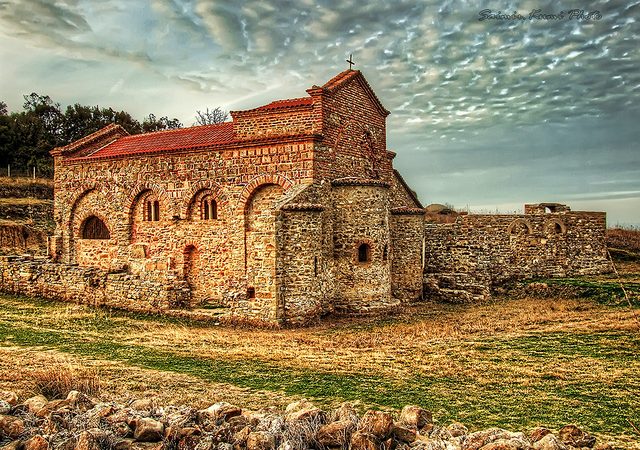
(116, 190)
(91, 286)
(406, 231)
(466, 258)
(354, 136)
(267, 122)
(361, 217)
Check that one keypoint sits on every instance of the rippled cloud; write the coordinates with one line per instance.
(481, 102)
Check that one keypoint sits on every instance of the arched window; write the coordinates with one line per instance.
(364, 253)
(555, 227)
(94, 228)
(208, 208)
(151, 210)
(519, 227)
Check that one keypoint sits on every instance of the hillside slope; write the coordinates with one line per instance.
(26, 215)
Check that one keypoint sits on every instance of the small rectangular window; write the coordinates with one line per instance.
(251, 292)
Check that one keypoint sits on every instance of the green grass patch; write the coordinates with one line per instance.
(602, 291)
(509, 401)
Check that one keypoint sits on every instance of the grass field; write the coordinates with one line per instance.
(509, 363)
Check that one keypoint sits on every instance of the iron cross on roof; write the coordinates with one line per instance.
(350, 61)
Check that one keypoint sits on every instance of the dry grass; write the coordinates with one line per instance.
(624, 238)
(121, 383)
(55, 382)
(24, 201)
(463, 362)
(25, 181)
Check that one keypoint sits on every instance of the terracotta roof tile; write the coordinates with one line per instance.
(340, 79)
(160, 141)
(288, 103)
(202, 136)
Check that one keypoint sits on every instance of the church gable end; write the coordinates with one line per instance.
(354, 129)
(91, 143)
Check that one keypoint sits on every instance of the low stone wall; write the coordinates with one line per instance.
(466, 258)
(91, 286)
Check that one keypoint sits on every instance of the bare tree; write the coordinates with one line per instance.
(211, 117)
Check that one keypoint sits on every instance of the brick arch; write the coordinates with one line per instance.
(83, 218)
(139, 189)
(216, 192)
(519, 222)
(258, 181)
(550, 227)
(134, 197)
(83, 191)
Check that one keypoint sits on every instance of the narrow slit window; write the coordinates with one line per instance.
(251, 292)
(364, 253)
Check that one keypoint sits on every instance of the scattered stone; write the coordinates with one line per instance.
(335, 434)
(10, 397)
(5, 407)
(574, 436)
(123, 444)
(549, 442)
(507, 444)
(404, 434)
(377, 423)
(13, 445)
(122, 429)
(218, 412)
(538, 433)
(144, 404)
(148, 430)
(261, 440)
(68, 425)
(457, 429)
(361, 440)
(11, 427)
(415, 417)
(345, 411)
(37, 442)
(81, 401)
(303, 410)
(36, 403)
(86, 441)
(479, 439)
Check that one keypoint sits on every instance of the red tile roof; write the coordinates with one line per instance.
(202, 136)
(288, 103)
(161, 141)
(340, 79)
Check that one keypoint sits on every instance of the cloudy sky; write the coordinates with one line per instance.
(486, 114)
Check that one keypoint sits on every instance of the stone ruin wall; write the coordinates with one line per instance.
(406, 230)
(467, 258)
(90, 286)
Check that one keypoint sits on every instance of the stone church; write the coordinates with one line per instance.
(290, 211)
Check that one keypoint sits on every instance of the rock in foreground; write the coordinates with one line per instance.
(80, 423)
